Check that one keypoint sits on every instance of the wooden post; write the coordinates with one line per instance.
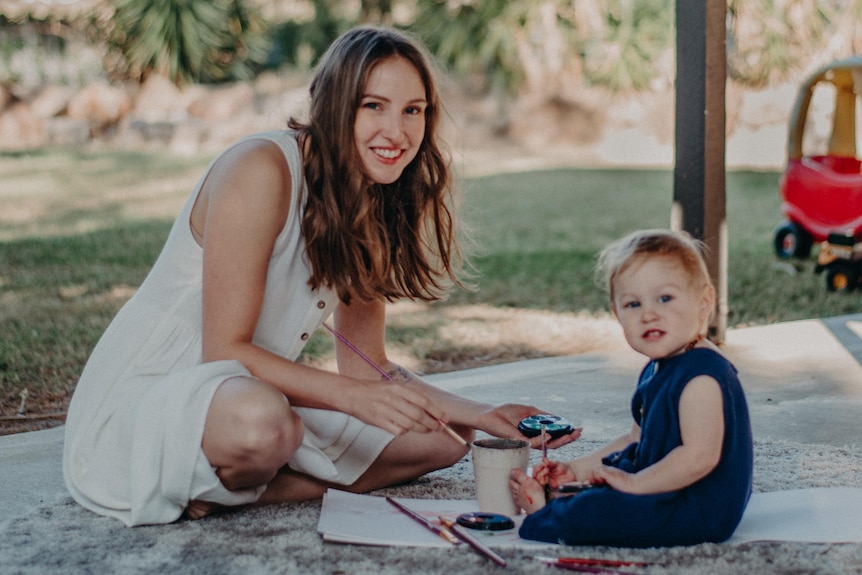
(699, 171)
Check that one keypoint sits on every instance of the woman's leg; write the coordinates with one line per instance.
(406, 457)
(250, 433)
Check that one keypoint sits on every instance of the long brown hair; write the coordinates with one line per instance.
(374, 241)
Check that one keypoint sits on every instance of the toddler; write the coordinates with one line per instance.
(682, 474)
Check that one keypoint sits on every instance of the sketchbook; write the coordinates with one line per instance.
(818, 515)
(370, 520)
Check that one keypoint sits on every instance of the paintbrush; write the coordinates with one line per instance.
(547, 485)
(386, 375)
(444, 533)
(480, 547)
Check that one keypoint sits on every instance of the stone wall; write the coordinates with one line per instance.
(590, 127)
(155, 114)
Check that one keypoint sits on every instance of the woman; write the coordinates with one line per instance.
(192, 400)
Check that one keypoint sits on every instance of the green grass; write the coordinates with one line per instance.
(78, 232)
(62, 193)
(541, 232)
(59, 293)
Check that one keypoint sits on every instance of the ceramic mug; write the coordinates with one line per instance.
(493, 460)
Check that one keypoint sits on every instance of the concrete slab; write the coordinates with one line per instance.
(31, 471)
(803, 380)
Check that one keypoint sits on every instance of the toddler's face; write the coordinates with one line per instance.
(660, 308)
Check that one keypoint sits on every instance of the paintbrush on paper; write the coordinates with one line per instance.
(597, 566)
(444, 533)
(388, 377)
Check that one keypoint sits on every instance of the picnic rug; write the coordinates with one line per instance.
(62, 537)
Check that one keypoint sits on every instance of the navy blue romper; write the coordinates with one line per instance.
(706, 511)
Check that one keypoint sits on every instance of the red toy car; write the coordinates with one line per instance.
(841, 257)
(821, 188)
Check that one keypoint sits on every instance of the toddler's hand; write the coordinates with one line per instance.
(553, 473)
(616, 478)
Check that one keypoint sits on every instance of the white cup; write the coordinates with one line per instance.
(493, 460)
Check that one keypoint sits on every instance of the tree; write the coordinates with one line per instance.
(475, 38)
(622, 53)
(185, 40)
(769, 39)
(303, 42)
(513, 46)
(613, 43)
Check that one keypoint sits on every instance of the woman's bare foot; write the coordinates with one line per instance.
(199, 509)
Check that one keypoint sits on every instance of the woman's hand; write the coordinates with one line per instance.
(502, 421)
(394, 407)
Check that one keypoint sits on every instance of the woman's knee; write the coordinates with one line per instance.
(254, 423)
(268, 430)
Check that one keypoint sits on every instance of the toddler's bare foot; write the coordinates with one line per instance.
(527, 493)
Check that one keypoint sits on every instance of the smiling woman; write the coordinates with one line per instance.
(194, 398)
(390, 122)
(380, 205)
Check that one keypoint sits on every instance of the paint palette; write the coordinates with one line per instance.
(555, 426)
(485, 521)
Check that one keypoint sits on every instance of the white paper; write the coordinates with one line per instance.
(370, 520)
(819, 515)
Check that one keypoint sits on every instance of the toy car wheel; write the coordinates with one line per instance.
(840, 277)
(791, 241)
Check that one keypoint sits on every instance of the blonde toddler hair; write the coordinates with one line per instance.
(621, 254)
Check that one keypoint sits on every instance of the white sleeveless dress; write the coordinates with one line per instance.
(136, 420)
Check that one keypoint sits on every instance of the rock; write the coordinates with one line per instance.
(51, 101)
(582, 126)
(159, 100)
(67, 132)
(223, 103)
(160, 132)
(101, 104)
(20, 129)
(219, 135)
(6, 97)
